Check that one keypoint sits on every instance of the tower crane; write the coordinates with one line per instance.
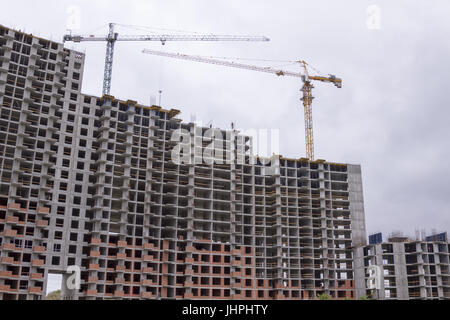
(305, 76)
(113, 36)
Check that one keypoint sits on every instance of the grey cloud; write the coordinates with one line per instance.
(392, 114)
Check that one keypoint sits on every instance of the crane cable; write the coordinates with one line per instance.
(143, 28)
(148, 29)
(286, 62)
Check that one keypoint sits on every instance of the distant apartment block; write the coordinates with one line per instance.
(411, 269)
(90, 182)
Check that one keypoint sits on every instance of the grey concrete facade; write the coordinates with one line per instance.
(40, 85)
(91, 182)
(357, 205)
(410, 270)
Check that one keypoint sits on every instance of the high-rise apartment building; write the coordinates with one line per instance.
(40, 126)
(409, 269)
(91, 182)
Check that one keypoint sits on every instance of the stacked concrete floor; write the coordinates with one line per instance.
(410, 269)
(91, 182)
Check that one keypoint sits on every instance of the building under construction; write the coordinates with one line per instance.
(410, 269)
(91, 182)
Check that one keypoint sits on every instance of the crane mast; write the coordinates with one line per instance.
(307, 106)
(113, 36)
(107, 76)
(306, 89)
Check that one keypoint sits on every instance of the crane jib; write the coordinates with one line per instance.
(112, 37)
(80, 38)
(306, 89)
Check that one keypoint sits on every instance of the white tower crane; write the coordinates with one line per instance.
(113, 36)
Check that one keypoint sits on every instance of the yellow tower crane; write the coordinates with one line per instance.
(306, 89)
(307, 104)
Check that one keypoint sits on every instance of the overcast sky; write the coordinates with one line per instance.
(391, 115)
